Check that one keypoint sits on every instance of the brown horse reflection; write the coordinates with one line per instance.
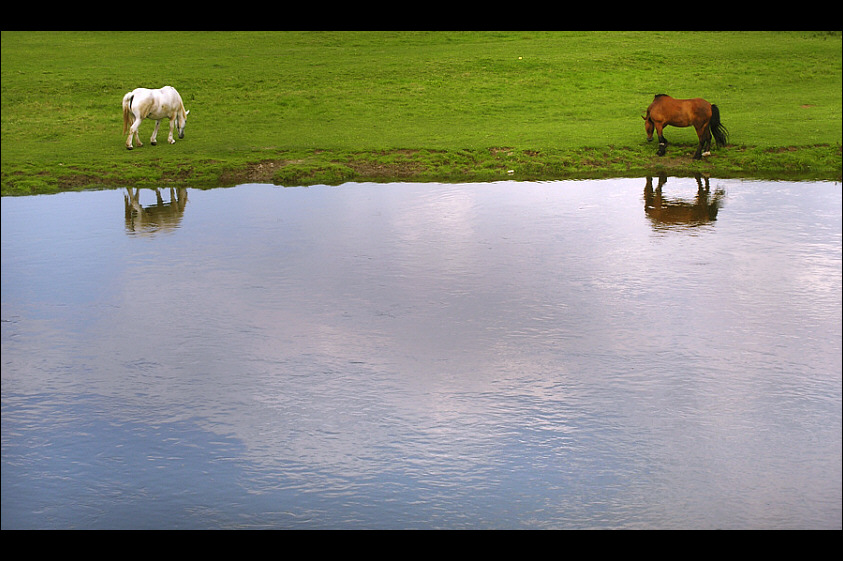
(667, 212)
(154, 218)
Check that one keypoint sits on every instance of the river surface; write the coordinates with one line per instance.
(583, 354)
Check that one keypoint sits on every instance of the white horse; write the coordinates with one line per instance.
(143, 103)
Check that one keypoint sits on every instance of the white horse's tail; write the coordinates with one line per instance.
(128, 117)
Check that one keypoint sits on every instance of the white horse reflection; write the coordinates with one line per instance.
(154, 218)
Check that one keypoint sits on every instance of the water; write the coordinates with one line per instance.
(508, 355)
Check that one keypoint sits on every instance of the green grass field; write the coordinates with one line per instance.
(309, 107)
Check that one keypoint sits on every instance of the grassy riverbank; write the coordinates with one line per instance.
(296, 108)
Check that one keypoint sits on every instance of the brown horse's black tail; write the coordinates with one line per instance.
(718, 131)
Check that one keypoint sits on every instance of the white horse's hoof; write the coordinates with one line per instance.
(128, 147)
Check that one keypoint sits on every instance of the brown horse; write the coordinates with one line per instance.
(697, 113)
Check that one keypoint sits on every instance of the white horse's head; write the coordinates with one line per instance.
(182, 121)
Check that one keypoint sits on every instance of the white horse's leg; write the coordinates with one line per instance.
(154, 138)
(170, 139)
(133, 131)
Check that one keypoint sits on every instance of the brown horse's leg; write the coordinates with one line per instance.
(662, 139)
(707, 140)
(704, 146)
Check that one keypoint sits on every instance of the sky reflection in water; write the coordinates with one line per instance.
(601, 354)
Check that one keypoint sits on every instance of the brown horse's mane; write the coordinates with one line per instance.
(661, 95)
